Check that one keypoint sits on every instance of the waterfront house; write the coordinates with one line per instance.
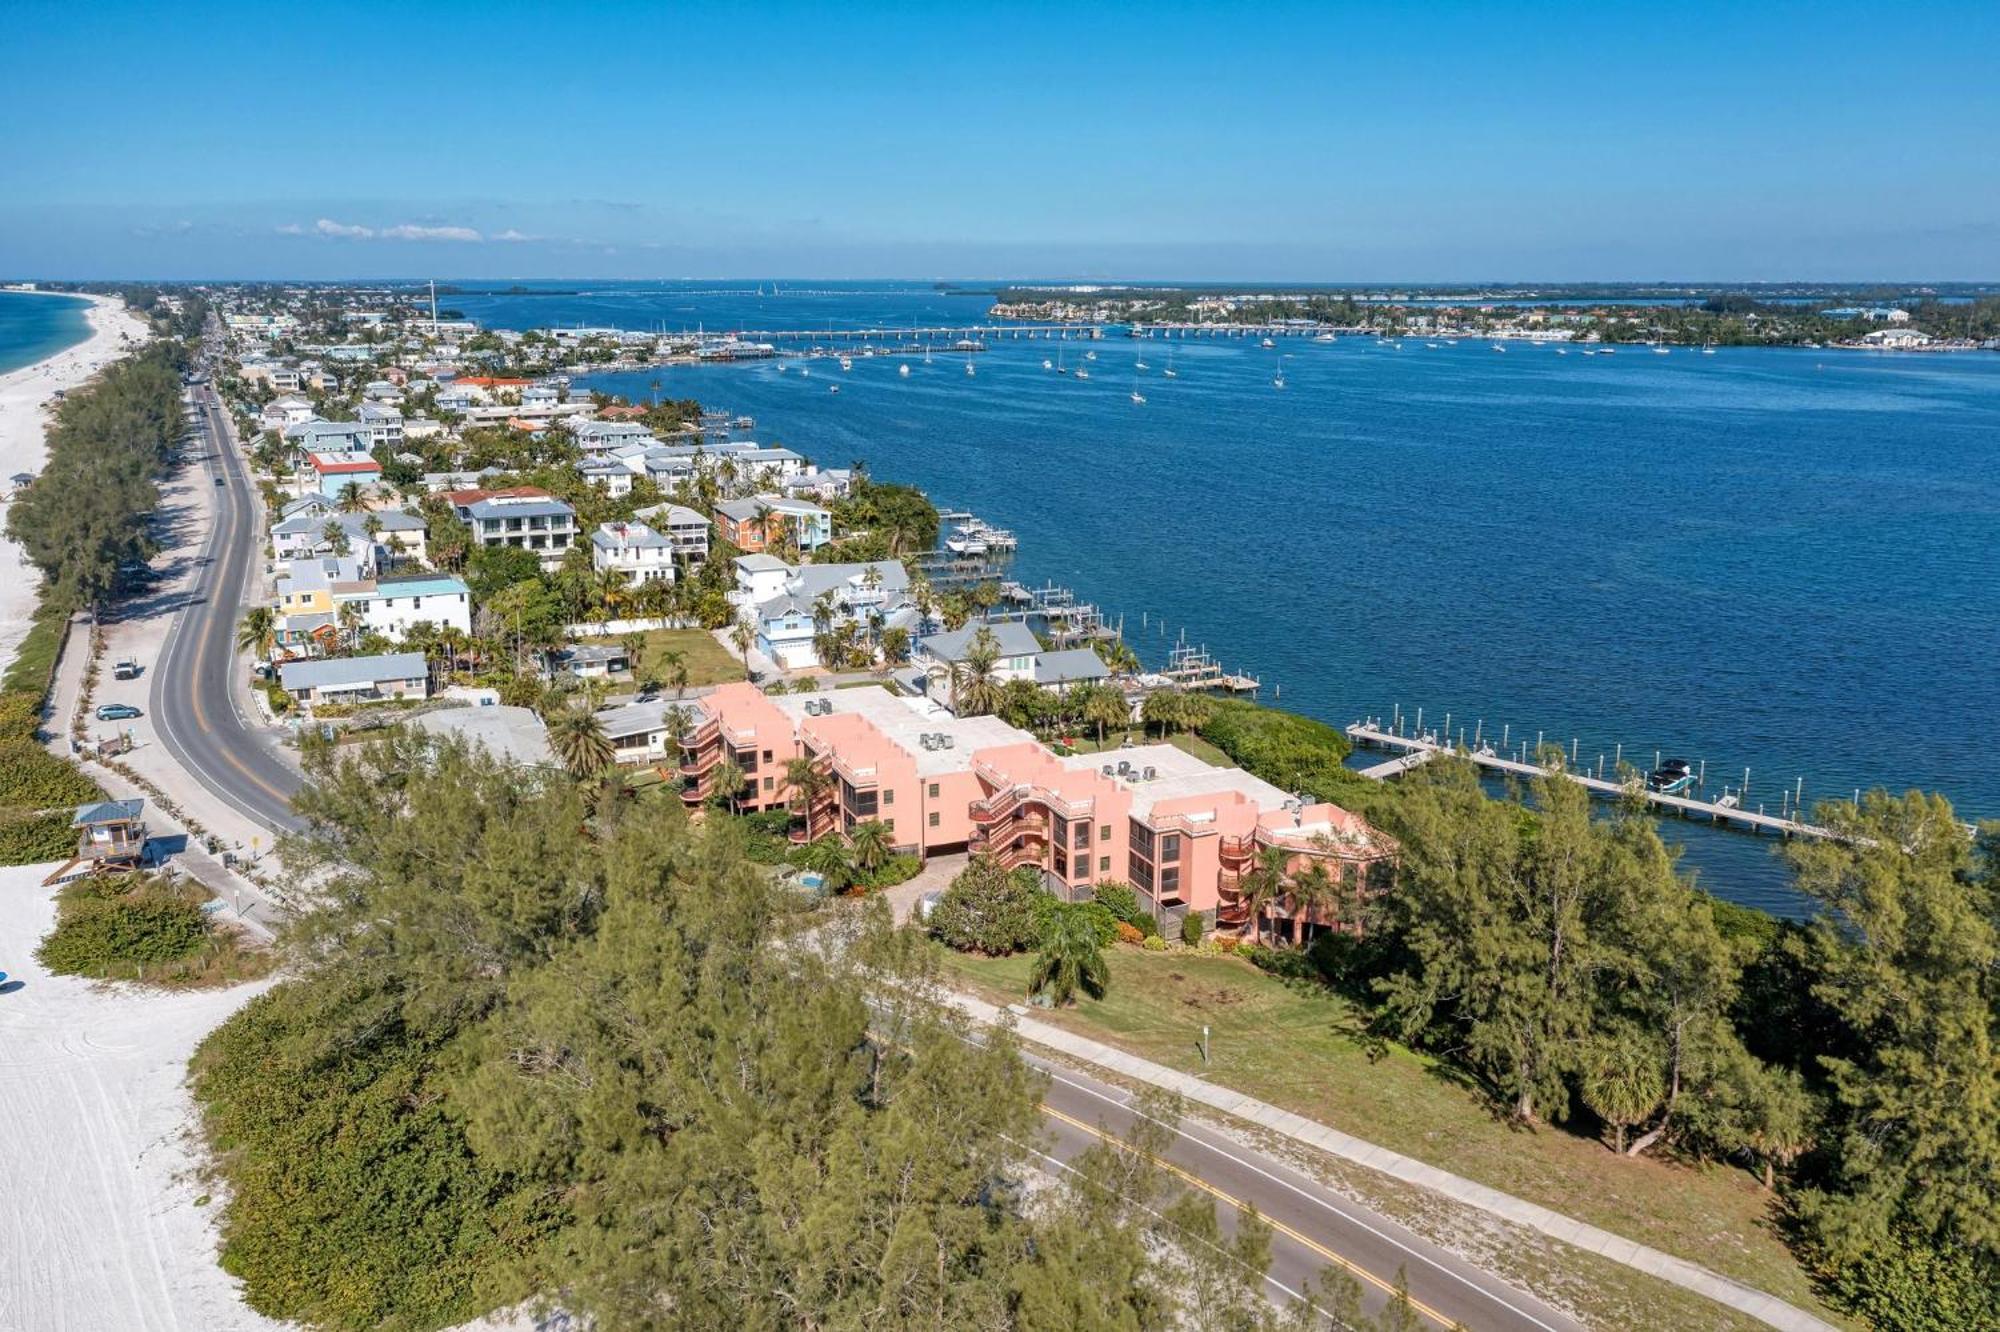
(938, 655)
(820, 483)
(633, 549)
(356, 679)
(525, 517)
(685, 529)
(597, 437)
(783, 603)
(765, 522)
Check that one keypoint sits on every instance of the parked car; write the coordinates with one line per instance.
(118, 712)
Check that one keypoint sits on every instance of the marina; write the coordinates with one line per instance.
(1727, 809)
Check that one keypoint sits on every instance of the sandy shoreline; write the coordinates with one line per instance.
(24, 393)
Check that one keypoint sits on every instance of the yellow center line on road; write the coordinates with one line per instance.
(1296, 1236)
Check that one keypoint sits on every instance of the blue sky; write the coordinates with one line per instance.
(1329, 142)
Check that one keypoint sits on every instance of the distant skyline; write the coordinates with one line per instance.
(1323, 143)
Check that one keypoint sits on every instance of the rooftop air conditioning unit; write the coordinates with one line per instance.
(1151, 773)
(947, 741)
(1124, 767)
(1108, 770)
(925, 740)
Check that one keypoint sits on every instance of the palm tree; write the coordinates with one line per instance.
(1263, 885)
(872, 845)
(1105, 706)
(676, 664)
(579, 741)
(743, 639)
(1070, 960)
(334, 537)
(1313, 890)
(829, 859)
(352, 498)
(975, 689)
(1118, 655)
(807, 784)
(349, 617)
(452, 642)
(895, 644)
(258, 631)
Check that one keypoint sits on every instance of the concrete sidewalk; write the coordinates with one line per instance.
(1765, 1308)
(246, 901)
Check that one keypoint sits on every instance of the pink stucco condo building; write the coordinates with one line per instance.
(1181, 831)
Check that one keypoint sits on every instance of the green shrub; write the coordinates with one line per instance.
(1154, 944)
(1102, 922)
(894, 870)
(1123, 903)
(114, 926)
(989, 910)
(1290, 963)
(33, 778)
(30, 839)
(1285, 749)
(1191, 929)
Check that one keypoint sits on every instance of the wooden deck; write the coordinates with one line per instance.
(1415, 750)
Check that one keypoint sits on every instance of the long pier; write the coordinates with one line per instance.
(1420, 749)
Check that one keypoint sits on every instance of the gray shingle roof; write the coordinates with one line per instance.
(334, 671)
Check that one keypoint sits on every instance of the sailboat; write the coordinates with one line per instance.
(1061, 369)
(1047, 364)
(1090, 356)
(1278, 380)
(1140, 364)
(969, 371)
(1083, 372)
(1169, 372)
(1138, 397)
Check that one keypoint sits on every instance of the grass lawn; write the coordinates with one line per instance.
(1299, 1048)
(708, 662)
(1187, 743)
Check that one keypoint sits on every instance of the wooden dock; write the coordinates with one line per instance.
(1720, 812)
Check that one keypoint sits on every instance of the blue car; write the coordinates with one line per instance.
(118, 712)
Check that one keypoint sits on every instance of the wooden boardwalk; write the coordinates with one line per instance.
(1411, 747)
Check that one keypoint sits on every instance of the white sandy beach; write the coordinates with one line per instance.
(24, 395)
(100, 1229)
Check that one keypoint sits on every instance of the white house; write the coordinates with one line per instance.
(385, 425)
(357, 679)
(875, 593)
(684, 528)
(604, 436)
(633, 549)
(286, 411)
(389, 606)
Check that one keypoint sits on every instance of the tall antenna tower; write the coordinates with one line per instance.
(434, 307)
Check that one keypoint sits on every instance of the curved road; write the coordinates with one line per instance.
(1313, 1228)
(194, 688)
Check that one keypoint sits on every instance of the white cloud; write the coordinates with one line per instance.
(512, 235)
(326, 226)
(410, 231)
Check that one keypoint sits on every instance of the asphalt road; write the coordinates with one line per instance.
(194, 697)
(194, 707)
(1313, 1227)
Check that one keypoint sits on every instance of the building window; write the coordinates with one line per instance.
(767, 783)
(1170, 846)
(1080, 835)
(1170, 881)
(934, 819)
(1142, 874)
(1104, 864)
(1103, 832)
(1142, 840)
(1062, 864)
(889, 796)
(767, 756)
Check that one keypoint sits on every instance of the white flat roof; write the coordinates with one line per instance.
(905, 720)
(1177, 774)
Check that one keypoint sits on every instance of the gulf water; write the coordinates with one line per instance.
(34, 325)
(1780, 560)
